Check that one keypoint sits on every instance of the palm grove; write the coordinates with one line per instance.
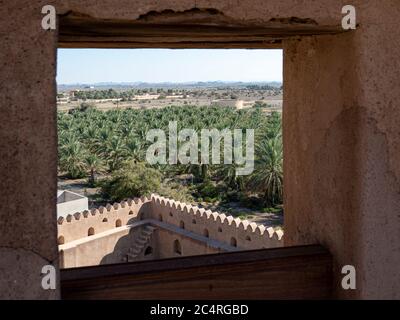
(109, 149)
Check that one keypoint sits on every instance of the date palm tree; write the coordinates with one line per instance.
(91, 141)
(133, 150)
(114, 152)
(267, 177)
(93, 165)
(71, 159)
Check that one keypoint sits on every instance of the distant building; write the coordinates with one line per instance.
(69, 202)
(244, 104)
(146, 97)
(72, 93)
(174, 96)
(62, 97)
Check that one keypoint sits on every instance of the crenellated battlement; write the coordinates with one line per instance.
(227, 229)
(82, 224)
(234, 231)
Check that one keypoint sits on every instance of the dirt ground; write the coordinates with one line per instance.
(80, 186)
(156, 103)
(269, 219)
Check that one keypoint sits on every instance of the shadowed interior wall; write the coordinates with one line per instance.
(341, 165)
(188, 246)
(320, 147)
(101, 250)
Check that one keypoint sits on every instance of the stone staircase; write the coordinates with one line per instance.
(139, 245)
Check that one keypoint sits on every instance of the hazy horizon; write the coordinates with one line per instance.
(96, 66)
(163, 82)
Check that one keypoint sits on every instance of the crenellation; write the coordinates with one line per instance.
(208, 213)
(259, 229)
(117, 206)
(238, 222)
(219, 226)
(270, 231)
(221, 218)
(101, 219)
(279, 234)
(229, 220)
(244, 225)
(253, 226)
(176, 205)
(101, 209)
(214, 216)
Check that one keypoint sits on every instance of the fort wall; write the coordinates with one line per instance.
(96, 249)
(227, 229)
(108, 234)
(77, 226)
(167, 239)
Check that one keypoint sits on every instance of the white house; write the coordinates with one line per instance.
(69, 202)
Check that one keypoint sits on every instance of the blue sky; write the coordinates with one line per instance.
(166, 65)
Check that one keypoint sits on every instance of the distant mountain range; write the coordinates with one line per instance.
(164, 85)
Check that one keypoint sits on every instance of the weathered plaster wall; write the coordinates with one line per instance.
(112, 246)
(341, 138)
(28, 161)
(324, 12)
(342, 172)
(164, 245)
(379, 67)
(320, 146)
(95, 250)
